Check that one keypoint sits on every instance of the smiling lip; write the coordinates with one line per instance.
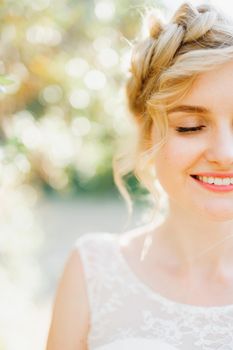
(213, 187)
(214, 174)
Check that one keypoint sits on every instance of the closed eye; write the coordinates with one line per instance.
(190, 129)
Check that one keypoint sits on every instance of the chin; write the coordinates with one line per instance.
(218, 214)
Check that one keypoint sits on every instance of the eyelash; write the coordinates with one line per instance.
(191, 129)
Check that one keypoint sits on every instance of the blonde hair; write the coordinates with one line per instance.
(163, 68)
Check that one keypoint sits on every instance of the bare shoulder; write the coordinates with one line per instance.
(70, 319)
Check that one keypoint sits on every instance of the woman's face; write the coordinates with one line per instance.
(204, 150)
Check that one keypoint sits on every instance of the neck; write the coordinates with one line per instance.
(195, 241)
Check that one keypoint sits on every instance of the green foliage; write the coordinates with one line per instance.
(5, 81)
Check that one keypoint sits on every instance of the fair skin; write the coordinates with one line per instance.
(190, 259)
(70, 319)
(179, 260)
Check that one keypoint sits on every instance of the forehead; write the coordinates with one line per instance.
(213, 89)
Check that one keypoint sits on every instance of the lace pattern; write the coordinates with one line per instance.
(122, 307)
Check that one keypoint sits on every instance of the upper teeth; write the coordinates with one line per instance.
(216, 180)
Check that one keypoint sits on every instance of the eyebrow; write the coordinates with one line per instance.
(188, 109)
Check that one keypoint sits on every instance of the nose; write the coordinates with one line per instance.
(220, 149)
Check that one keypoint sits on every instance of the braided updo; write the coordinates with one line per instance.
(177, 49)
(163, 68)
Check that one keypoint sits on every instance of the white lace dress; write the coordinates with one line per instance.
(128, 315)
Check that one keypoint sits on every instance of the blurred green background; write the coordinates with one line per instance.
(62, 119)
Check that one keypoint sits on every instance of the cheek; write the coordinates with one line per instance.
(177, 156)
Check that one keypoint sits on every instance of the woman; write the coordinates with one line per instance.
(118, 291)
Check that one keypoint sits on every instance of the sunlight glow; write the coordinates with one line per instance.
(81, 126)
(79, 99)
(226, 5)
(76, 67)
(40, 5)
(95, 80)
(52, 94)
(108, 58)
(40, 34)
(104, 10)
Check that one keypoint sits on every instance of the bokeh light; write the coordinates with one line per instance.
(79, 99)
(76, 67)
(39, 34)
(60, 115)
(95, 80)
(104, 10)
